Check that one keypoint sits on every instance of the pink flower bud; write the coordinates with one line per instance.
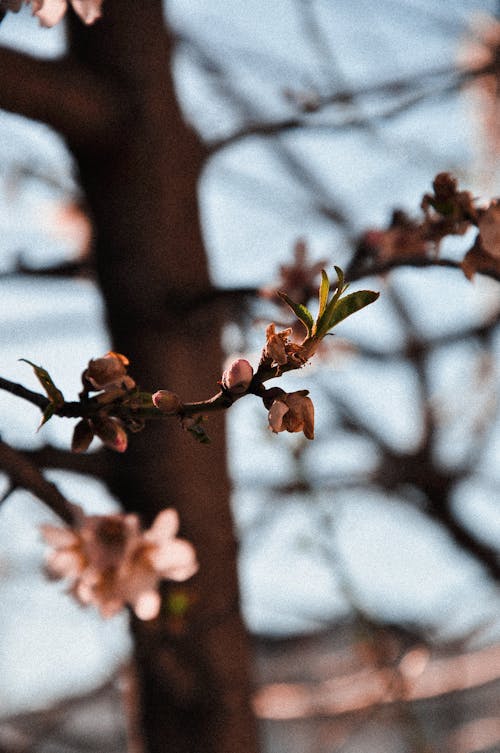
(108, 371)
(237, 377)
(166, 401)
(110, 432)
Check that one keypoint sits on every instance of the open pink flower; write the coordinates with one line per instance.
(112, 562)
(292, 412)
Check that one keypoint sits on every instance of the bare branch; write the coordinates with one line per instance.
(305, 121)
(91, 463)
(24, 474)
(19, 391)
(353, 272)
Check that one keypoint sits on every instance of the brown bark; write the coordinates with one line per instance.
(151, 264)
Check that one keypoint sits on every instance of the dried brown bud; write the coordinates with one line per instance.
(275, 345)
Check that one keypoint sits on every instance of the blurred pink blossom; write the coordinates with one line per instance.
(112, 562)
(50, 12)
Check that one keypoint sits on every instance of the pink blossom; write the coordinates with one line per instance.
(112, 562)
(292, 412)
(50, 12)
(299, 278)
(237, 377)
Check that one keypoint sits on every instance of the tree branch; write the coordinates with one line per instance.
(24, 474)
(19, 391)
(87, 110)
(91, 463)
(355, 272)
(304, 120)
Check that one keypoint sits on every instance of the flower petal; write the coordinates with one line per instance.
(147, 605)
(50, 12)
(65, 563)
(275, 417)
(165, 527)
(59, 537)
(89, 11)
(175, 561)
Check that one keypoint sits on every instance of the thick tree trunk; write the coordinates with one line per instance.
(152, 268)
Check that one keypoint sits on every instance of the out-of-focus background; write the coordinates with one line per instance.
(369, 566)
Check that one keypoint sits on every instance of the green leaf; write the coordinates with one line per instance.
(47, 414)
(350, 304)
(340, 282)
(198, 431)
(322, 322)
(301, 311)
(324, 289)
(53, 393)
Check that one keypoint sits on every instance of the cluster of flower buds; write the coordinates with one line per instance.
(112, 562)
(447, 211)
(294, 411)
(108, 377)
(50, 12)
(117, 405)
(299, 279)
(448, 208)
